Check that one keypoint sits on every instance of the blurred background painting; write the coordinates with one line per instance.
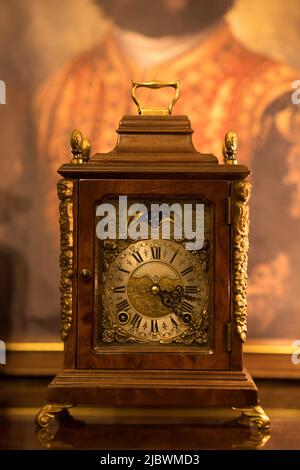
(68, 64)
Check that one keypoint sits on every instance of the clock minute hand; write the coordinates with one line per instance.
(173, 299)
(170, 299)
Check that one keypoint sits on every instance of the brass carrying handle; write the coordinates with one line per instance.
(155, 85)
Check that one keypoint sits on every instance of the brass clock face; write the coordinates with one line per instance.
(155, 291)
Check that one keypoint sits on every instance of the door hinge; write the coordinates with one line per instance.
(228, 210)
(228, 336)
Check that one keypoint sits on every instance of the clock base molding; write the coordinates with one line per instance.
(155, 388)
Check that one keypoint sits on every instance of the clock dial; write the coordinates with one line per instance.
(156, 291)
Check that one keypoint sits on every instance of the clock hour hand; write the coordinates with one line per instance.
(169, 298)
(173, 299)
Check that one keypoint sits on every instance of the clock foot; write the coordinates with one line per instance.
(50, 411)
(253, 416)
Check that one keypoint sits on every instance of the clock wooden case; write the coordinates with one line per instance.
(148, 323)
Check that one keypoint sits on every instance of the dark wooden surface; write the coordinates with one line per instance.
(109, 429)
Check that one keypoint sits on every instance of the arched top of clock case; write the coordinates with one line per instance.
(154, 147)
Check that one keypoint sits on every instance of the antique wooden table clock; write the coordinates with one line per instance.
(149, 322)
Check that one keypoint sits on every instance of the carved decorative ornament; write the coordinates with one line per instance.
(241, 195)
(65, 194)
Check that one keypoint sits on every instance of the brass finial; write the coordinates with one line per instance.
(230, 148)
(86, 150)
(81, 147)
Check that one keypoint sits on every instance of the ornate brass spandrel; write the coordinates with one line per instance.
(203, 255)
(240, 208)
(111, 249)
(65, 193)
(113, 333)
(230, 148)
(198, 331)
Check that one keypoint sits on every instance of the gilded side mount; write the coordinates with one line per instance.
(240, 208)
(66, 222)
